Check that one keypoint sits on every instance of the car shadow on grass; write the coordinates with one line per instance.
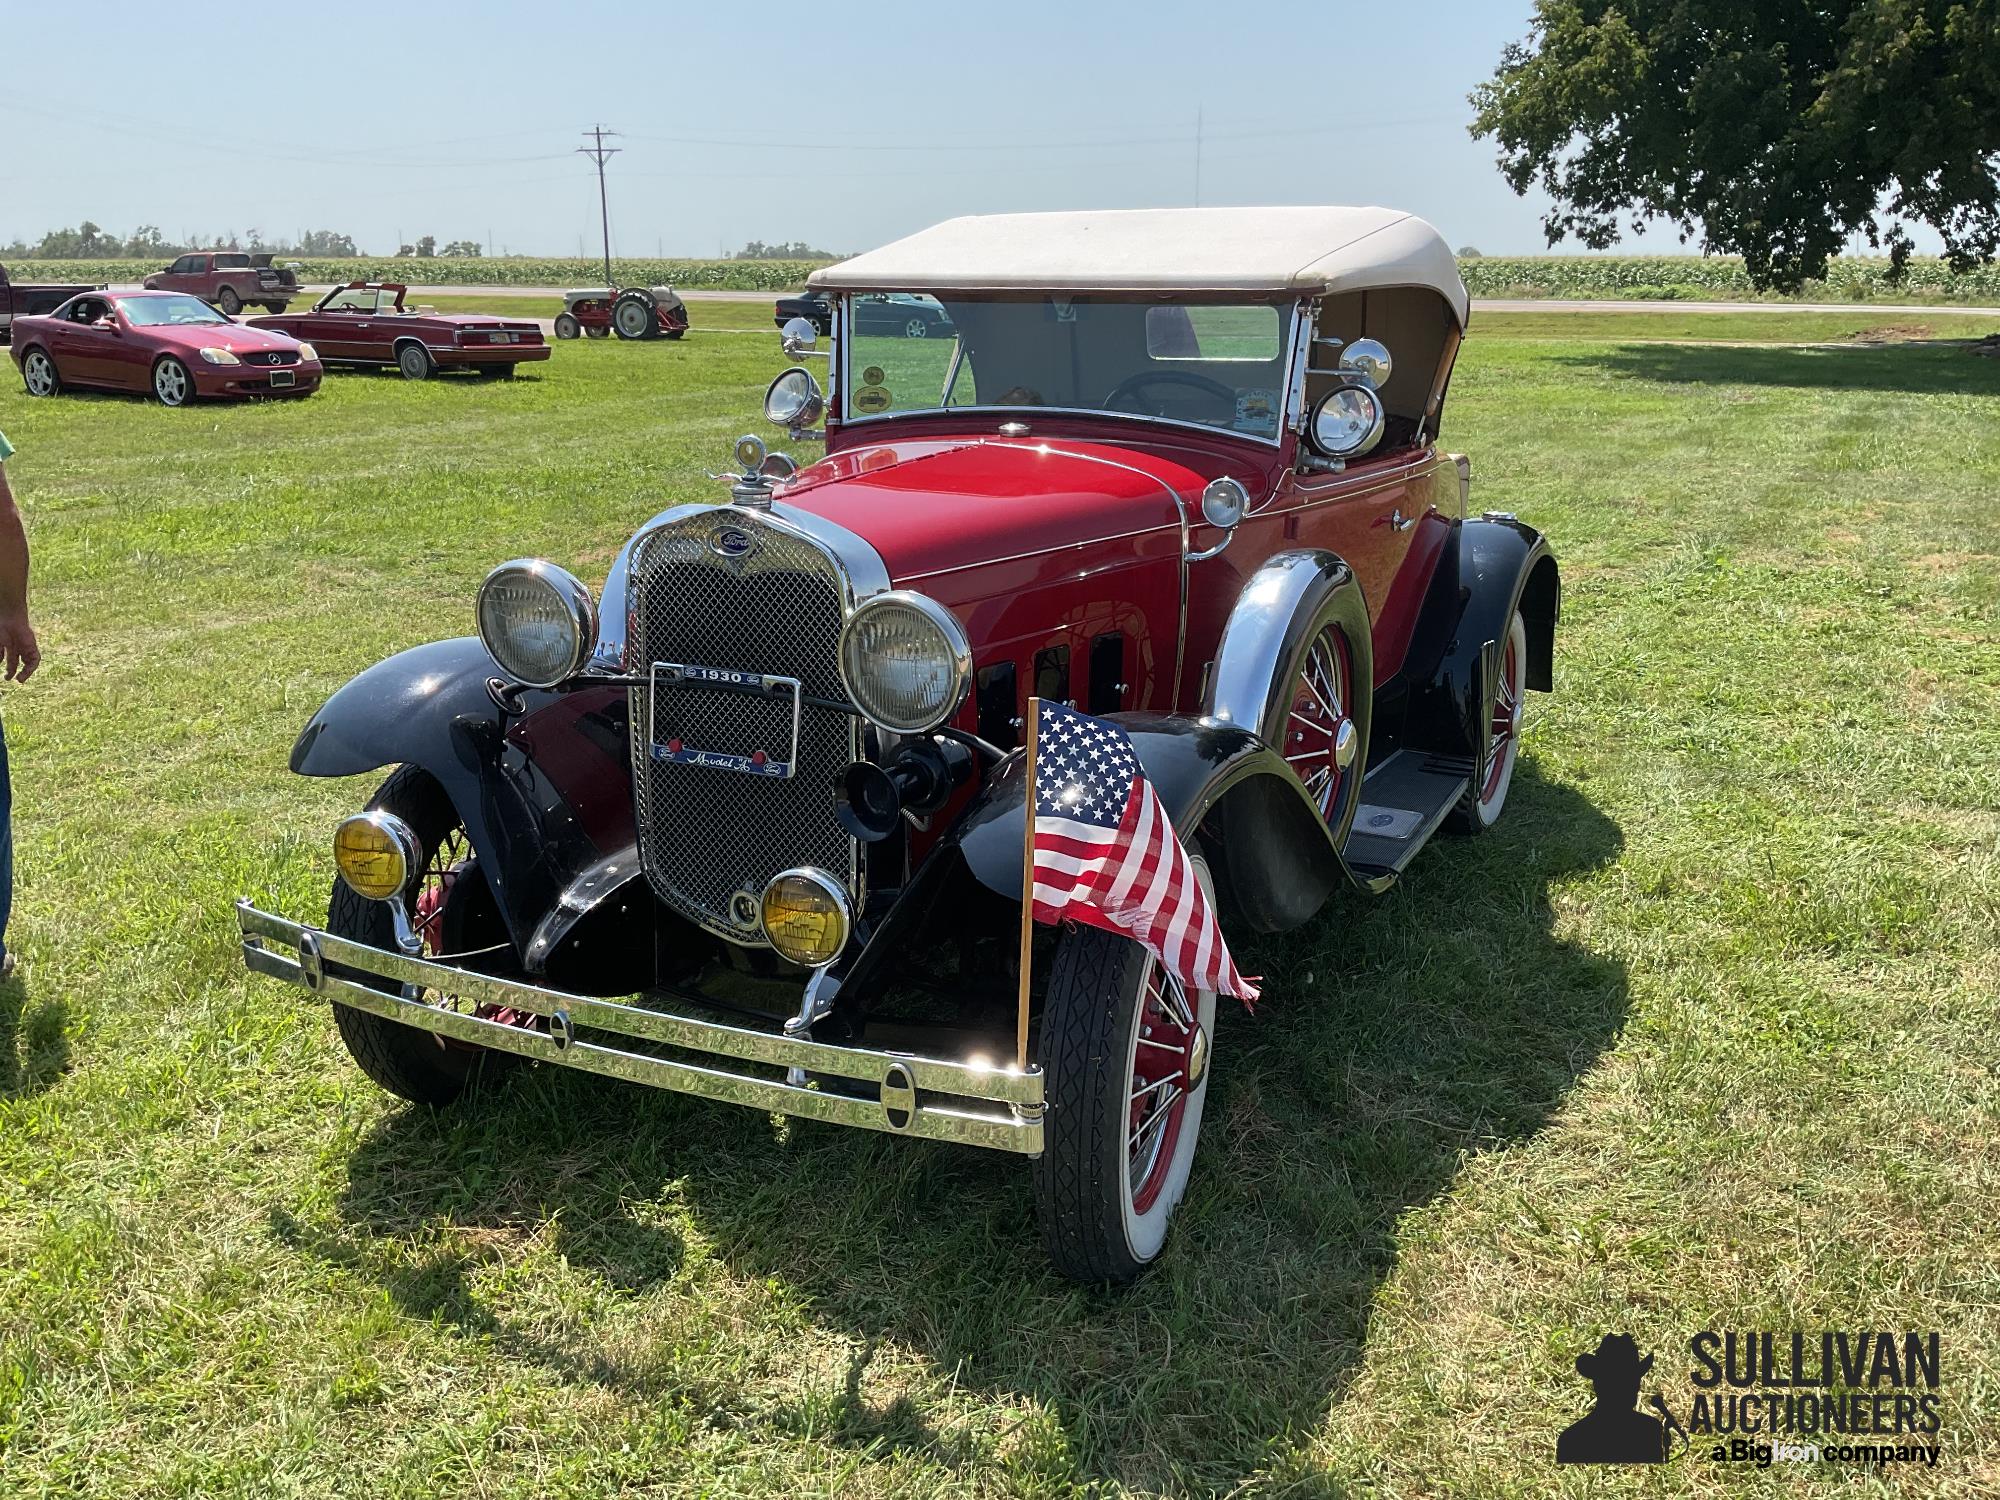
(34, 1041)
(1940, 367)
(1396, 1037)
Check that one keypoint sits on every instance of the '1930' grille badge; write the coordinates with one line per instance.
(731, 541)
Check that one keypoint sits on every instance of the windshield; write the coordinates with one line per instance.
(366, 299)
(1215, 364)
(149, 312)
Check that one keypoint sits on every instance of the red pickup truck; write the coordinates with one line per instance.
(227, 279)
(34, 300)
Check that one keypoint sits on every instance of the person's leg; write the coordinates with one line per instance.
(6, 854)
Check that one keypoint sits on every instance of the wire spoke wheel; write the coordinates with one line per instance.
(1500, 730)
(1127, 1049)
(1319, 726)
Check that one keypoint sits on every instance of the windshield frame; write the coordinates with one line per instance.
(1297, 313)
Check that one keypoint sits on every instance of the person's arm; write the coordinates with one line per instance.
(18, 647)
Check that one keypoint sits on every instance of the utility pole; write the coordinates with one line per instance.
(601, 153)
(1197, 156)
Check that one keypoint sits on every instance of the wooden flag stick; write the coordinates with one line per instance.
(1027, 882)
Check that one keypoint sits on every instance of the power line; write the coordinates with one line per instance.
(601, 153)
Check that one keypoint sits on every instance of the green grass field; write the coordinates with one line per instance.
(1701, 1037)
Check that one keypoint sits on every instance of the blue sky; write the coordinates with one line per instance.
(845, 125)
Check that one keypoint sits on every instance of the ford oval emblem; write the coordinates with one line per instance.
(731, 541)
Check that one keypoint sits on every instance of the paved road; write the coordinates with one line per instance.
(1874, 309)
(1483, 304)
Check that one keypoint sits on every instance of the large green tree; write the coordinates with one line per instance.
(1771, 128)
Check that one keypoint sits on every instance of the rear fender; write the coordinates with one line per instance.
(1499, 566)
(543, 785)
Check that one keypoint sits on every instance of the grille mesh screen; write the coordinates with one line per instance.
(708, 836)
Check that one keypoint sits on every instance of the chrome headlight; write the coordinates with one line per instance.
(306, 352)
(794, 399)
(905, 662)
(1347, 422)
(537, 621)
(220, 357)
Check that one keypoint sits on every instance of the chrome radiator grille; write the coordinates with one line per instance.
(710, 838)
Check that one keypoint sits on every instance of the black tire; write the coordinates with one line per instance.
(597, 333)
(673, 333)
(633, 316)
(39, 373)
(274, 308)
(172, 384)
(410, 1063)
(567, 326)
(228, 303)
(1486, 794)
(1094, 1226)
(414, 360)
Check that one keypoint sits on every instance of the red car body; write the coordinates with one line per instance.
(228, 279)
(1177, 469)
(110, 341)
(366, 323)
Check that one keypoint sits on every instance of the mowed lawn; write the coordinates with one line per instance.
(1701, 1037)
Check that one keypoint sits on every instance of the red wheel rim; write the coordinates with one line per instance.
(1319, 712)
(1163, 1059)
(1505, 722)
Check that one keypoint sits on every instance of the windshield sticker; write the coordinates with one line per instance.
(1257, 411)
(872, 375)
(871, 399)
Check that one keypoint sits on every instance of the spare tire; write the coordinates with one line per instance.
(633, 317)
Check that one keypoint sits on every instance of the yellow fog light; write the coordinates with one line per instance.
(806, 916)
(376, 853)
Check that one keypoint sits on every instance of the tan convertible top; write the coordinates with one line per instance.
(1304, 251)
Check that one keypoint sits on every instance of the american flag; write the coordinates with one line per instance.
(1106, 854)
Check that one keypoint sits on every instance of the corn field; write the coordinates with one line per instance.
(1637, 277)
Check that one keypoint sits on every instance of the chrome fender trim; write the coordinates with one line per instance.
(1284, 606)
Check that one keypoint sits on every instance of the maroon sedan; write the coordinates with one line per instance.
(365, 323)
(169, 343)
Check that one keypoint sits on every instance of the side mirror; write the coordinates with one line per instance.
(109, 325)
(1223, 503)
(1370, 360)
(798, 337)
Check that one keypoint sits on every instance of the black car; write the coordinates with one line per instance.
(812, 306)
(882, 314)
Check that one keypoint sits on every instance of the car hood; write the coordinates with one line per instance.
(936, 508)
(238, 338)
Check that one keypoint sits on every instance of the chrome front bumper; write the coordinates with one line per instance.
(895, 1092)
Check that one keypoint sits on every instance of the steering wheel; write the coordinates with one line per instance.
(1132, 384)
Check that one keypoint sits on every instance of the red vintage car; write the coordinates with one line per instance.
(169, 343)
(750, 824)
(366, 323)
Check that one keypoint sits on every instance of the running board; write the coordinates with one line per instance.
(1403, 801)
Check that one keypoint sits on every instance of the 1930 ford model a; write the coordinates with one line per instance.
(753, 828)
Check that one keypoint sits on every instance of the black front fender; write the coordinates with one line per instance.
(1219, 784)
(543, 785)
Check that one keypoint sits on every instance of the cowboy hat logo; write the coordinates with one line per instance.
(1613, 1431)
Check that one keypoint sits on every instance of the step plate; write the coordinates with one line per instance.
(1403, 801)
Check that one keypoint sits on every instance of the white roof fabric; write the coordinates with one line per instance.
(1306, 251)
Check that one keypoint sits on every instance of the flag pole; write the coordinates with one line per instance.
(1027, 882)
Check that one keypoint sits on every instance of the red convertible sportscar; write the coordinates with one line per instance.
(365, 323)
(169, 343)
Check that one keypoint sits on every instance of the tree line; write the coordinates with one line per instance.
(88, 241)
